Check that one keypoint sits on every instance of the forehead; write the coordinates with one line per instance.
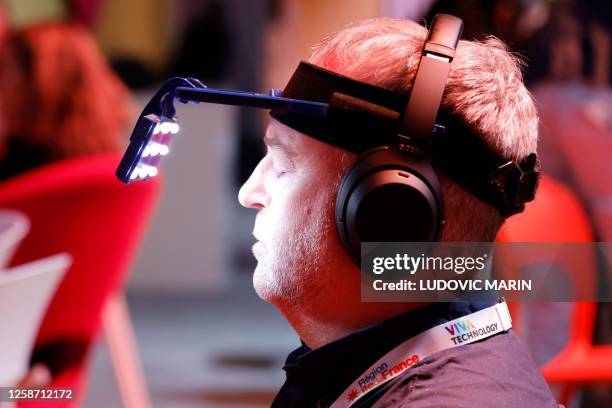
(309, 152)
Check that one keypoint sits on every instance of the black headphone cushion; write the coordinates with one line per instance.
(388, 196)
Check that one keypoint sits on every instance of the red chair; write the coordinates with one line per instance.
(78, 206)
(556, 215)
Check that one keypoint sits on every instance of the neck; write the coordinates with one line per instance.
(338, 311)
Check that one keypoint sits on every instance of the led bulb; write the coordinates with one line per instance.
(142, 172)
(154, 149)
(166, 127)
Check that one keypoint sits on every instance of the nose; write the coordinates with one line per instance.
(252, 193)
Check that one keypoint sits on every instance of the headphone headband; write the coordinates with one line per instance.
(430, 81)
(443, 36)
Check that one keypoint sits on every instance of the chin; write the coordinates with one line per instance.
(263, 283)
(269, 287)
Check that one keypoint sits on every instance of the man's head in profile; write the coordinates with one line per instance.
(302, 267)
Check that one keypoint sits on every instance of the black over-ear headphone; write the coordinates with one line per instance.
(391, 193)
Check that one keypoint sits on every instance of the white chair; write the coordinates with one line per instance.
(14, 225)
(25, 292)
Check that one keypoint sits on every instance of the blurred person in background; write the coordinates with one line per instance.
(575, 103)
(58, 97)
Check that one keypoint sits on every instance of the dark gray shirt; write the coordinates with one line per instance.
(496, 372)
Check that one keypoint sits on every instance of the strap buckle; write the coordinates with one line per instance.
(516, 183)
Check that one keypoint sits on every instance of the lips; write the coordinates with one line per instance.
(255, 232)
(257, 248)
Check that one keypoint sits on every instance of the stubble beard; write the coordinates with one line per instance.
(296, 270)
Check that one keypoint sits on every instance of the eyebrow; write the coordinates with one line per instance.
(272, 140)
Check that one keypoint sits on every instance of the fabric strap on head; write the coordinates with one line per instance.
(363, 116)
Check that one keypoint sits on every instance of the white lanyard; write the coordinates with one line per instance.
(463, 330)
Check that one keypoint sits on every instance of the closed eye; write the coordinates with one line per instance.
(281, 163)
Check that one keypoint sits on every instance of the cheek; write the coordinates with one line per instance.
(289, 210)
(296, 208)
(312, 207)
(303, 200)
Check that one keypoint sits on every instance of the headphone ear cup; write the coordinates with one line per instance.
(388, 196)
